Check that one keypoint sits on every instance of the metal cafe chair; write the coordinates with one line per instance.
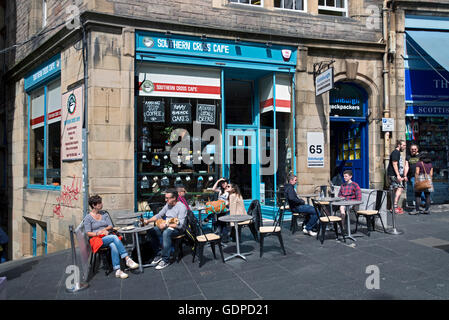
(275, 229)
(320, 209)
(371, 214)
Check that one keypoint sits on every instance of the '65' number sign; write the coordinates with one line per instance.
(315, 150)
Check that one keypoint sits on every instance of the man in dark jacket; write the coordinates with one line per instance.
(298, 205)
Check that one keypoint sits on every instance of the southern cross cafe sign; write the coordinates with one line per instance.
(72, 125)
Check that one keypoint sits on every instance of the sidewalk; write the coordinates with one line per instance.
(413, 265)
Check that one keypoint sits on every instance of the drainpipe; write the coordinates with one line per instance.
(386, 86)
(85, 127)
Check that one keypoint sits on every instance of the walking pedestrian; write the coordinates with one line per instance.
(395, 173)
(424, 171)
(410, 167)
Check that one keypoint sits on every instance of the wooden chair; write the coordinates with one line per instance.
(325, 218)
(371, 214)
(275, 229)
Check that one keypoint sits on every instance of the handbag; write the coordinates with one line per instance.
(425, 184)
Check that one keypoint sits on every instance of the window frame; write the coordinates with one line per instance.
(335, 9)
(304, 4)
(247, 4)
(45, 85)
(44, 13)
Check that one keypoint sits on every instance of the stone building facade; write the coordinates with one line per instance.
(349, 40)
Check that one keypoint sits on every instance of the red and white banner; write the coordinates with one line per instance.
(38, 106)
(184, 82)
(283, 94)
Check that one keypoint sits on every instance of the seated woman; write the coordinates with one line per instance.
(99, 225)
(236, 205)
(221, 187)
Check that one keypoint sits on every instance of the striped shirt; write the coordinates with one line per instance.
(350, 191)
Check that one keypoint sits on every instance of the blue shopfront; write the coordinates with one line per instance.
(349, 133)
(208, 108)
(427, 94)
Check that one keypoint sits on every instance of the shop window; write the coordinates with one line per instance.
(431, 135)
(333, 7)
(289, 4)
(45, 131)
(251, 2)
(170, 150)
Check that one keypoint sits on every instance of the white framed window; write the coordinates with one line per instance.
(333, 7)
(250, 2)
(290, 4)
(44, 13)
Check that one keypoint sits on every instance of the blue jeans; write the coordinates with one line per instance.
(311, 215)
(166, 235)
(117, 249)
(411, 191)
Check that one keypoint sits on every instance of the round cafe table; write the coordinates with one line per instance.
(236, 218)
(308, 196)
(135, 232)
(347, 204)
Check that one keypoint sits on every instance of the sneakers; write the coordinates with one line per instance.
(162, 265)
(412, 213)
(120, 274)
(399, 210)
(309, 232)
(131, 264)
(155, 261)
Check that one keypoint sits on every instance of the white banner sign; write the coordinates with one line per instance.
(72, 125)
(168, 81)
(315, 150)
(324, 81)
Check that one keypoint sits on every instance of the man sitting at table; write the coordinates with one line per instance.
(172, 209)
(298, 205)
(349, 190)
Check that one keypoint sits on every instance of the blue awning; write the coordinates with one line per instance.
(434, 43)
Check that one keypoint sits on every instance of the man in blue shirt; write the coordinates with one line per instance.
(298, 205)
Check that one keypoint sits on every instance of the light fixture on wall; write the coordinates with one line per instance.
(237, 40)
(268, 44)
(203, 37)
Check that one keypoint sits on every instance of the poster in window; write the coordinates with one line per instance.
(180, 113)
(205, 113)
(153, 111)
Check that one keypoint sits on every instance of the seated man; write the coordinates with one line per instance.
(172, 209)
(349, 190)
(298, 205)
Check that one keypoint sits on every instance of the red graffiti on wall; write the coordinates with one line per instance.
(68, 194)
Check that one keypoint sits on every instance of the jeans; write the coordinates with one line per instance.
(166, 235)
(411, 194)
(311, 215)
(117, 249)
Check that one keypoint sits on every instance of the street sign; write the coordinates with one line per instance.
(324, 81)
(315, 150)
(387, 124)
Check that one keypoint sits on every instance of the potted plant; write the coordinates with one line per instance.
(167, 134)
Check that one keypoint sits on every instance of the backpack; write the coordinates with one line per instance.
(190, 228)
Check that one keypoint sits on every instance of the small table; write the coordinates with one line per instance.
(347, 204)
(330, 200)
(236, 218)
(308, 196)
(135, 232)
(129, 215)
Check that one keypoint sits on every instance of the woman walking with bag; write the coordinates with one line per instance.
(423, 181)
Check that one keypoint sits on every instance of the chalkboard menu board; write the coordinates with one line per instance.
(153, 111)
(205, 113)
(180, 113)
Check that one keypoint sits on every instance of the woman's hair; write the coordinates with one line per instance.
(236, 189)
(425, 157)
(220, 185)
(94, 200)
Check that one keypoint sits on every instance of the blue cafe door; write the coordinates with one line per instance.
(349, 133)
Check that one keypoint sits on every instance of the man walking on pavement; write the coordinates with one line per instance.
(395, 173)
